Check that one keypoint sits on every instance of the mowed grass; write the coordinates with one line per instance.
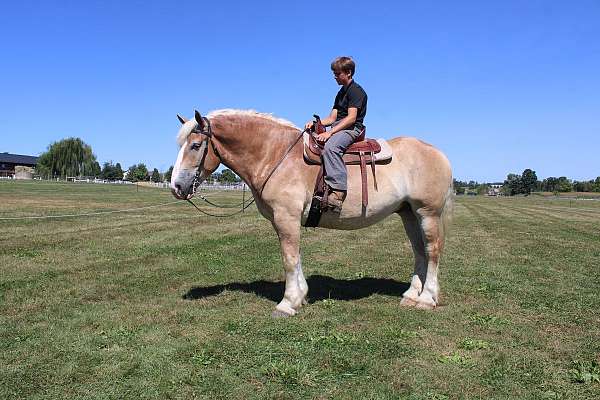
(166, 303)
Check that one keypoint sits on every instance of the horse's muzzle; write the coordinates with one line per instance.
(182, 194)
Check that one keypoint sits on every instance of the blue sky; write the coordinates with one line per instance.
(499, 86)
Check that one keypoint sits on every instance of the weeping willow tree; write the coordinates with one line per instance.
(68, 157)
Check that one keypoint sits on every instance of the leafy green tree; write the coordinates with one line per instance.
(564, 184)
(528, 181)
(137, 173)
(112, 172)
(155, 175)
(68, 157)
(583, 186)
(513, 185)
(227, 176)
(550, 184)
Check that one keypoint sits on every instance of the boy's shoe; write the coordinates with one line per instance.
(335, 200)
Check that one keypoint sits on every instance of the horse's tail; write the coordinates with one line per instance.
(447, 211)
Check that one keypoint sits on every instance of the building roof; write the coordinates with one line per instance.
(17, 159)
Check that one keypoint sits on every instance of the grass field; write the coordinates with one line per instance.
(164, 303)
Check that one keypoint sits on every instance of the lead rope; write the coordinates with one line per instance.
(221, 216)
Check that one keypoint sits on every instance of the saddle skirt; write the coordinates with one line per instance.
(373, 150)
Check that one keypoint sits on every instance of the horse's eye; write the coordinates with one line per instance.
(196, 146)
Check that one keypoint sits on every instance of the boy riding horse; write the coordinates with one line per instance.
(346, 119)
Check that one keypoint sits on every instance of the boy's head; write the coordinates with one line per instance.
(343, 64)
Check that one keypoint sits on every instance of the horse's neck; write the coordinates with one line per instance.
(251, 147)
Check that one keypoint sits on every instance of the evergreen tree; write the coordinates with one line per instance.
(155, 176)
(118, 172)
(168, 174)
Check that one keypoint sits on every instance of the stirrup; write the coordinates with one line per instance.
(334, 202)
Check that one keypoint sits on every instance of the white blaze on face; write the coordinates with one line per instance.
(176, 167)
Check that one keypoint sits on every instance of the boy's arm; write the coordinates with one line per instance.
(330, 119)
(345, 123)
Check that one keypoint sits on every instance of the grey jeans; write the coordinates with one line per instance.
(335, 169)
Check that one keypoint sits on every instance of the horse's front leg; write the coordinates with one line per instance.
(288, 230)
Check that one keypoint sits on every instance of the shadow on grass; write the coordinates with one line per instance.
(320, 288)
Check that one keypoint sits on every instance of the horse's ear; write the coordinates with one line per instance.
(181, 119)
(199, 119)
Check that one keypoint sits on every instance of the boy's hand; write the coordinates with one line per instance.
(323, 137)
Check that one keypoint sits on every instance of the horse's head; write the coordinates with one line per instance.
(196, 159)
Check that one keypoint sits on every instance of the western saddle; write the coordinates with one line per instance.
(361, 152)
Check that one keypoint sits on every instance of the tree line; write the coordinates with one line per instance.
(73, 157)
(528, 182)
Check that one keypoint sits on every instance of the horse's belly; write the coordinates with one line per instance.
(353, 217)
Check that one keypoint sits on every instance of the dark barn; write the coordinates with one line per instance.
(8, 162)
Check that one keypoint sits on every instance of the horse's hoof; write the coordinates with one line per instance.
(407, 302)
(280, 314)
(425, 306)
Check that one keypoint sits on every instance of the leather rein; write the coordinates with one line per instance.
(209, 135)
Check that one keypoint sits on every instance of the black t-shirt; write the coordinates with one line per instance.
(351, 96)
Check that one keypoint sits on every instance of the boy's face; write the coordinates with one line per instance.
(341, 77)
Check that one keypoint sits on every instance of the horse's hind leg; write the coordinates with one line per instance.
(412, 227)
(431, 226)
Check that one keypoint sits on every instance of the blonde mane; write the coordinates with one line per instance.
(187, 128)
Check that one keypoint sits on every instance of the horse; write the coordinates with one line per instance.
(267, 154)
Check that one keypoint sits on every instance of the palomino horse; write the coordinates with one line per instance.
(267, 154)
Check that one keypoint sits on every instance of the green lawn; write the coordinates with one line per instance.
(165, 303)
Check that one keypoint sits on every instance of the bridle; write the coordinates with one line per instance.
(207, 131)
(209, 134)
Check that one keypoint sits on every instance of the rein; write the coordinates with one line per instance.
(209, 134)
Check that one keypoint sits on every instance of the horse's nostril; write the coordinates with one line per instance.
(178, 187)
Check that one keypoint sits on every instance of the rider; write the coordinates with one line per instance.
(346, 119)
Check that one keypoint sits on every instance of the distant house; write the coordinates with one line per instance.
(8, 162)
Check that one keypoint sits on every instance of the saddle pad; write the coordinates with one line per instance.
(383, 157)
